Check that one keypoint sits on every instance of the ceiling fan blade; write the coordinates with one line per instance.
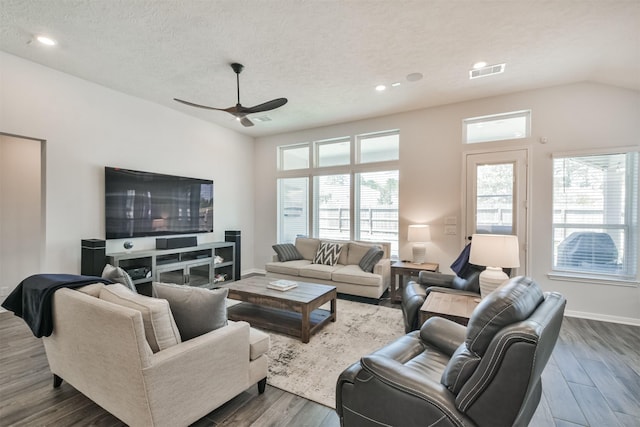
(266, 106)
(204, 106)
(246, 122)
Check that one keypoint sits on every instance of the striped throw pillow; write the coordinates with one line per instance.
(328, 253)
(287, 252)
(370, 259)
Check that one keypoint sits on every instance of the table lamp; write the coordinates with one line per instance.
(494, 251)
(419, 234)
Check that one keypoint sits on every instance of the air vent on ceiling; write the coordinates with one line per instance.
(486, 71)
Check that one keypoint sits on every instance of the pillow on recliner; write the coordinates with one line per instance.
(196, 311)
(511, 303)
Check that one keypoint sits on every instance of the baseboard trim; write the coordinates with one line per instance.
(603, 317)
(252, 271)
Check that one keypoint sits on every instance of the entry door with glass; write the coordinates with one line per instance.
(496, 196)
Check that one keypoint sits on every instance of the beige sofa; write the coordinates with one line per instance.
(346, 275)
(100, 348)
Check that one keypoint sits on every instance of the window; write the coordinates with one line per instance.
(377, 198)
(497, 127)
(332, 218)
(349, 201)
(293, 157)
(379, 147)
(494, 198)
(595, 215)
(293, 204)
(333, 153)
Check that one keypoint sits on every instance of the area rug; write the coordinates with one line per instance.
(311, 370)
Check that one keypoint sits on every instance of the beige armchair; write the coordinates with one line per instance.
(100, 348)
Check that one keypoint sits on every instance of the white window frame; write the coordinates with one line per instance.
(494, 117)
(631, 226)
(318, 144)
(352, 169)
(364, 136)
(283, 148)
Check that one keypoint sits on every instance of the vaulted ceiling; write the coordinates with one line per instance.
(326, 56)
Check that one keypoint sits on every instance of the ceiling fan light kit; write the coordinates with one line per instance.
(239, 111)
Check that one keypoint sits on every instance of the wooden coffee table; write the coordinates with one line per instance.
(457, 308)
(295, 312)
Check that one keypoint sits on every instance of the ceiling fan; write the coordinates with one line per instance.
(238, 110)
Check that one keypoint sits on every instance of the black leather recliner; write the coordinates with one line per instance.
(485, 374)
(415, 293)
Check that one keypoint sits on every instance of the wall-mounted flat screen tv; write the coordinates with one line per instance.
(141, 204)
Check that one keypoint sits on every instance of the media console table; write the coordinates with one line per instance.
(192, 266)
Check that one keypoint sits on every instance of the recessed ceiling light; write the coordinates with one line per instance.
(46, 40)
(380, 88)
(480, 64)
(396, 84)
(414, 77)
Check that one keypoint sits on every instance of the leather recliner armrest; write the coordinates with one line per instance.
(443, 334)
(429, 278)
(439, 400)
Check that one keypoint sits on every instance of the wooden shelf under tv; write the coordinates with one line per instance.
(191, 266)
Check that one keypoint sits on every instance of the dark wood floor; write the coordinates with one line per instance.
(593, 379)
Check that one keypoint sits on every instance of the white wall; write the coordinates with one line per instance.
(20, 210)
(572, 117)
(88, 126)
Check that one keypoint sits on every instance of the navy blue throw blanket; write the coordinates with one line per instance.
(31, 299)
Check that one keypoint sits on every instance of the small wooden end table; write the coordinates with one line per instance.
(295, 312)
(404, 268)
(457, 308)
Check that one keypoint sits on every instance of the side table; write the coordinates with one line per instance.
(403, 268)
(457, 308)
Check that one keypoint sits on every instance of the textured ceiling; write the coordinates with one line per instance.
(326, 57)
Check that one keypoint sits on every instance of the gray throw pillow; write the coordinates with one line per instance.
(118, 275)
(370, 259)
(287, 252)
(196, 311)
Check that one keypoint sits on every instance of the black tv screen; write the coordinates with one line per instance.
(141, 204)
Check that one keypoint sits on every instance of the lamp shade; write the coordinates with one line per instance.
(495, 250)
(419, 233)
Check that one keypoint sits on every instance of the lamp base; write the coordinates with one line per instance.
(490, 279)
(419, 253)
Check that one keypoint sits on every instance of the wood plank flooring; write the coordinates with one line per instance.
(592, 379)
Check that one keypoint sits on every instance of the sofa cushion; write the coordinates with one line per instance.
(353, 274)
(287, 252)
(370, 259)
(319, 271)
(196, 311)
(258, 343)
(307, 247)
(118, 275)
(328, 253)
(159, 327)
(357, 251)
(290, 267)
